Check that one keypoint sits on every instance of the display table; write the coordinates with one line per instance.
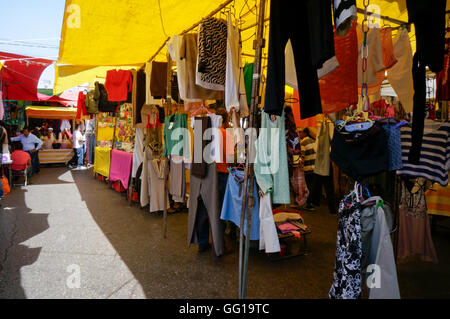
(120, 168)
(52, 156)
(102, 160)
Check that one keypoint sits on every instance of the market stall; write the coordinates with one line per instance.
(52, 156)
(378, 147)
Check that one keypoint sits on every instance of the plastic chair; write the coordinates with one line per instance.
(19, 174)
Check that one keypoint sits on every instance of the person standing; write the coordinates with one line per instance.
(78, 145)
(31, 144)
(309, 155)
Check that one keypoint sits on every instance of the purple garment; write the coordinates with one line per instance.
(120, 169)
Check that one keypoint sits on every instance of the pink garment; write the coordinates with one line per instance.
(120, 169)
(414, 234)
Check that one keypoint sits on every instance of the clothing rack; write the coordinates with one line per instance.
(167, 161)
(223, 5)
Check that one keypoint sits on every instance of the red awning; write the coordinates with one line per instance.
(55, 98)
(20, 76)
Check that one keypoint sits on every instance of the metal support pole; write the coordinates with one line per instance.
(249, 174)
(167, 161)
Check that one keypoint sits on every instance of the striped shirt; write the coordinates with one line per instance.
(309, 154)
(434, 155)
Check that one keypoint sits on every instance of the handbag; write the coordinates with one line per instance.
(5, 186)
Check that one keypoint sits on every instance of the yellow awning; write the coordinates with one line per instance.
(68, 76)
(49, 112)
(118, 32)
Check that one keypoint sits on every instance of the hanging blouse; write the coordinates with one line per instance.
(118, 83)
(434, 155)
(212, 54)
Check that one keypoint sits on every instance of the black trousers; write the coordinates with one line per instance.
(309, 178)
(316, 193)
(429, 23)
(35, 161)
(311, 33)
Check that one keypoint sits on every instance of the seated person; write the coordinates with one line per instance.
(49, 139)
(21, 160)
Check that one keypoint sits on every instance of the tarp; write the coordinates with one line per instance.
(68, 76)
(49, 112)
(20, 76)
(54, 98)
(117, 32)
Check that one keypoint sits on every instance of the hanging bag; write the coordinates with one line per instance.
(5, 186)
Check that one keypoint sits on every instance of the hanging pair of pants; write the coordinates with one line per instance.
(316, 193)
(35, 161)
(207, 189)
(202, 221)
(309, 27)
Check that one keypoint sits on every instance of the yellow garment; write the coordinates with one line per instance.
(438, 200)
(105, 133)
(102, 160)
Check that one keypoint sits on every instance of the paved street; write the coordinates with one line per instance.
(67, 223)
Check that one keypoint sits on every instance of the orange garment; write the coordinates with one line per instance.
(223, 166)
(192, 106)
(388, 60)
(388, 48)
(339, 89)
(309, 122)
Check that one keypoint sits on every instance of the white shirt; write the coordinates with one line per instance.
(76, 137)
(28, 142)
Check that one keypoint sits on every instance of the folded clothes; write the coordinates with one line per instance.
(284, 217)
(287, 227)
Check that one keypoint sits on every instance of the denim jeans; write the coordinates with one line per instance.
(80, 157)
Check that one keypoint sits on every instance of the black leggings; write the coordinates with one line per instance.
(311, 33)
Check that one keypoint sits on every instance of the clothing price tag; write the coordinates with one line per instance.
(170, 125)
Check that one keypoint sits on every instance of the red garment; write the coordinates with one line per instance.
(443, 83)
(81, 106)
(118, 83)
(339, 89)
(19, 160)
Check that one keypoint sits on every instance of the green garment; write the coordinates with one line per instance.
(248, 79)
(271, 165)
(182, 136)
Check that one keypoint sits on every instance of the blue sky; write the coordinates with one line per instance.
(37, 23)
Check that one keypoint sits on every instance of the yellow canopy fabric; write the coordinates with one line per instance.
(118, 32)
(68, 76)
(49, 112)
